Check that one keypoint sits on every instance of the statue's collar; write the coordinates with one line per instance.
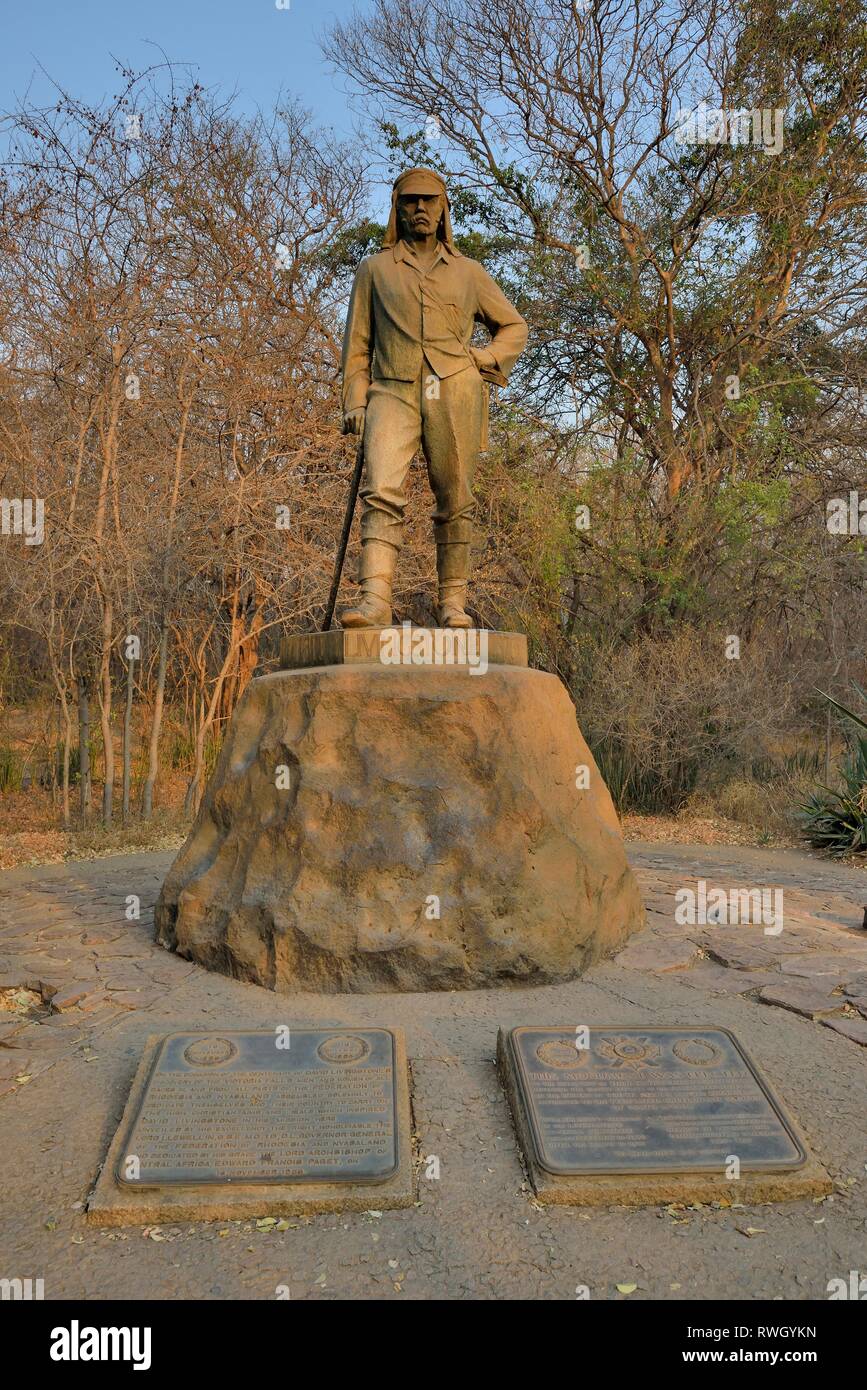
(402, 252)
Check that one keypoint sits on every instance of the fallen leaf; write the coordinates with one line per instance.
(626, 1288)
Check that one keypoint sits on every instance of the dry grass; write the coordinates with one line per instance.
(694, 828)
(29, 833)
(741, 812)
(29, 836)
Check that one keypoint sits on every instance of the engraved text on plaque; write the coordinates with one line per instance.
(269, 1107)
(647, 1100)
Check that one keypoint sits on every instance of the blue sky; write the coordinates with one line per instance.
(246, 45)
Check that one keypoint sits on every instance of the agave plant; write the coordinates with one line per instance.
(849, 713)
(836, 820)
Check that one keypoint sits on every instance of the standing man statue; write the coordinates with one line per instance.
(410, 378)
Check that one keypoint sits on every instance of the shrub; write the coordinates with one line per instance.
(836, 820)
(11, 770)
(667, 716)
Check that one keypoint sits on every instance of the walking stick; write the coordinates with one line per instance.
(344, 539)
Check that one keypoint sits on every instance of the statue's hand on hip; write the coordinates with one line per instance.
(353, 421)
(482, 358)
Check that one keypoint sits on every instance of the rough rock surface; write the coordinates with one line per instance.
(411, 791)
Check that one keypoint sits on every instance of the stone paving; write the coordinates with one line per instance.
(796, 1000)
(815, 965)
(64, 930)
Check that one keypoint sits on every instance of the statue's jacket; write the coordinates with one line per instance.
(399, 317)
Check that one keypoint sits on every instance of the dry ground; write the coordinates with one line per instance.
(477, 1232)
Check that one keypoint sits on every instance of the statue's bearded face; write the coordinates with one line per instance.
(419, 214)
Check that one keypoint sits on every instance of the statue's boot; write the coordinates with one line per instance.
(378, 560)
(453, 565)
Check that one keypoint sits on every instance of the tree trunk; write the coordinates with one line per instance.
(127, 737)
(248, 656)
(204, 725)
(156, 725)
(84, 747)
(105, 713)
(67, 748)
(63, 692)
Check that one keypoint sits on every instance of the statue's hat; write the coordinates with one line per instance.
(424, 182)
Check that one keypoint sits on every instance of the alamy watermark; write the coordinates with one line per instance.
(717, 906)
(23, 516)
(21, 1290)
(709, 126)
(847, 516)
(77, 1343)
(854, 1288)
(441, 646)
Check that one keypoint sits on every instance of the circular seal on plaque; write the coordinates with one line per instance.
(697, 1052)
(210, 1052)
(628, 1052)
(344, 1049)
(561, 1053)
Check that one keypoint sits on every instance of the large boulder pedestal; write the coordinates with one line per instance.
(373, 827)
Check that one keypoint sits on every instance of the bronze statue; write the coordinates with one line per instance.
(410, 378)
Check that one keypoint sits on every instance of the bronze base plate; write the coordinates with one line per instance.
(400, 647)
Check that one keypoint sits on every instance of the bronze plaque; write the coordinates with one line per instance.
(269, 1107)
(647, 1100)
